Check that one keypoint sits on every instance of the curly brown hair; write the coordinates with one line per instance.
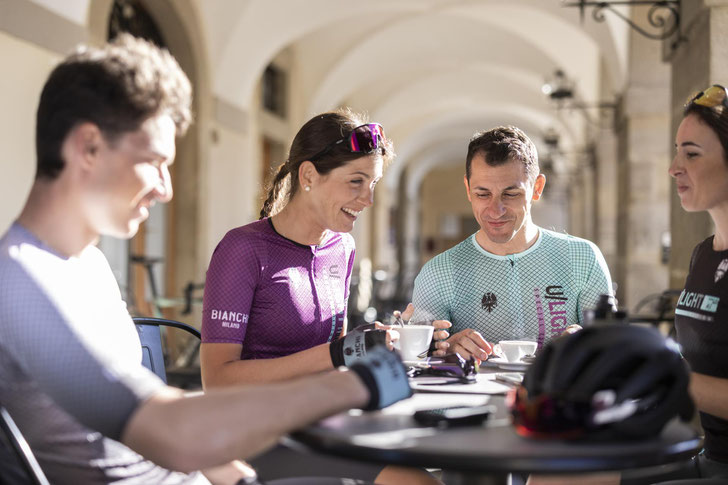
(116, 87)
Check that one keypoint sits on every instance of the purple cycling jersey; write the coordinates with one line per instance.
(273, 296)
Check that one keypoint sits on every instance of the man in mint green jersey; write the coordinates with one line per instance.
(511, 279)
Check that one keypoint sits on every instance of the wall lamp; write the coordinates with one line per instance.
(663, 15)
(560, 89)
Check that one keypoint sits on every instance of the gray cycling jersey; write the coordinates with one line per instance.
(534, 294)
(70, 364)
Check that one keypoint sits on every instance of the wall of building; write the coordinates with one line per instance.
(20, 85)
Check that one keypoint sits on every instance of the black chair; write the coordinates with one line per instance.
(15, 449)
(150, 335)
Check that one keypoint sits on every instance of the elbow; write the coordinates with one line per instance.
(209, 380)
(217, 377)
(219, 371)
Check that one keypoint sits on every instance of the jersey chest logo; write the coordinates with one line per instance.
(489, 301)
(722, 268)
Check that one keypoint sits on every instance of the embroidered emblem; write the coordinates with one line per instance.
(489, 301)
(722, 268)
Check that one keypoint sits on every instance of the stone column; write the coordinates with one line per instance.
(643, 157)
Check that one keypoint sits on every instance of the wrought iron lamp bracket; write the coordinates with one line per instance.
(663, 15)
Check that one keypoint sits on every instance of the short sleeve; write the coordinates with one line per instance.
(592, 273)
(235, 269)
(433, 290)
(70, 361)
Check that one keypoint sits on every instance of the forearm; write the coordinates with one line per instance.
(212, 429)
(710, 394)
(258, 371)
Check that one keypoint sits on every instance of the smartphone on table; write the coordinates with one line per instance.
(454, 416)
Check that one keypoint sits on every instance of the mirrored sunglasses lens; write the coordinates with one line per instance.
(366, 138)
(378, 131)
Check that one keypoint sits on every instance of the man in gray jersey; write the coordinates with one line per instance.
(70, 358)
(511, 279)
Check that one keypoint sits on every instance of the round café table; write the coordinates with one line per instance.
(486, 453)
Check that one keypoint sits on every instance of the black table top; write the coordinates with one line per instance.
(394, 437)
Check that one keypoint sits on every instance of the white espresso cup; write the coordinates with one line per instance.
(513, 350)
(414, 341)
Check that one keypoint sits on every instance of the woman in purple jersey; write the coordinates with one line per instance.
(700, 170)
(276, 289)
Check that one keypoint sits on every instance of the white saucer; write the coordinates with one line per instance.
(426, 361)
(502, 363)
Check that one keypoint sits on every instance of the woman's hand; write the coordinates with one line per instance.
(392, 334)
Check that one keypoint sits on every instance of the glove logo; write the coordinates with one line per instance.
(489, 302)
(348, 351)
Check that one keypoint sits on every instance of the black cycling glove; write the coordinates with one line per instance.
(355, 344)
(385, 377)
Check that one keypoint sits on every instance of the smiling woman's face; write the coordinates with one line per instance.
(699, 168)
(342, 194)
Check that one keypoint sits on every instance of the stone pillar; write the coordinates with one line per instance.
(642, 162)
(699, 60)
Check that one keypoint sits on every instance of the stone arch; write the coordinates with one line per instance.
(178, 24)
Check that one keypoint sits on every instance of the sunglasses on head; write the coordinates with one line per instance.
(711, 97)
(366, 139)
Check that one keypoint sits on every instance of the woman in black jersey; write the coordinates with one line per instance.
(700, 170)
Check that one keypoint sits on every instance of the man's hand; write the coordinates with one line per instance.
(468, 343)
(571, 329)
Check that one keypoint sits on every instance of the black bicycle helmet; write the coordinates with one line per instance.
(611, 381)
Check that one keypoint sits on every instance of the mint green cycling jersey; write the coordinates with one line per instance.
(531, 295)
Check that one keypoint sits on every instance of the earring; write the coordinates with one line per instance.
(307, 188)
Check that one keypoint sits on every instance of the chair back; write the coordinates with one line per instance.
(151, 340)
(14, 447)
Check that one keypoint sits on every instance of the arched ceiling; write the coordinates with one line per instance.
(411, 62)
(241, 49)
(446, 139)
(423, 68)
(426, 69)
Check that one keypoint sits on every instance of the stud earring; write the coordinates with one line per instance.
(307, 188)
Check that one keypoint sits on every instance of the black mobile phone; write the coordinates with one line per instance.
(453, 416)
